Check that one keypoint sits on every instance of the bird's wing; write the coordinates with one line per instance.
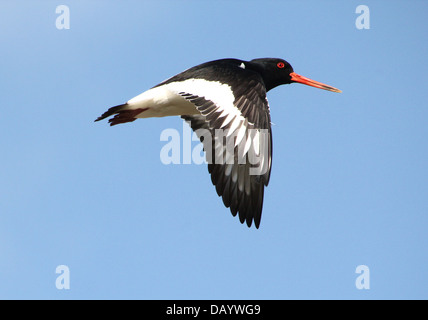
(237, 140)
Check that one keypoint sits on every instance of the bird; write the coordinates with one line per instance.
(225, 103)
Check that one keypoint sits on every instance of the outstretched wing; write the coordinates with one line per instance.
(237, 139)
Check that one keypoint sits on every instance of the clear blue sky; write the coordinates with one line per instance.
(349, 182)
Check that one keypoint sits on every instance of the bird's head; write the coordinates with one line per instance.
(276, 72)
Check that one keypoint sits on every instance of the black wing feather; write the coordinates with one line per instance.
(241, 192)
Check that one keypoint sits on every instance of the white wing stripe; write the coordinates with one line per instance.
(229, 118)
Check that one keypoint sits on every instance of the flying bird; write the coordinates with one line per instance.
(225, 103)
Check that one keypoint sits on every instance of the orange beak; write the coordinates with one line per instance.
(309, 82)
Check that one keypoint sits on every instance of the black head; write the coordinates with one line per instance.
(275, 72)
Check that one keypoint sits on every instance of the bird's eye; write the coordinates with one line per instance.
(280, 65)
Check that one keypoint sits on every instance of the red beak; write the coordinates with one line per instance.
(309, 82)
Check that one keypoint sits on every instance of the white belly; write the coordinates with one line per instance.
(165, 100)
(162, 102)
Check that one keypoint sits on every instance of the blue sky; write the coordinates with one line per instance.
(349, 177)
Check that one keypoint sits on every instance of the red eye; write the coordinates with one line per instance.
(280, 65)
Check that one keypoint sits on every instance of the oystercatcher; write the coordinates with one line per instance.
(222, 99)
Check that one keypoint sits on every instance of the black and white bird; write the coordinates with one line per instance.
(226, 96)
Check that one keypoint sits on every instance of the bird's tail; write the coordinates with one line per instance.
(122, 114)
